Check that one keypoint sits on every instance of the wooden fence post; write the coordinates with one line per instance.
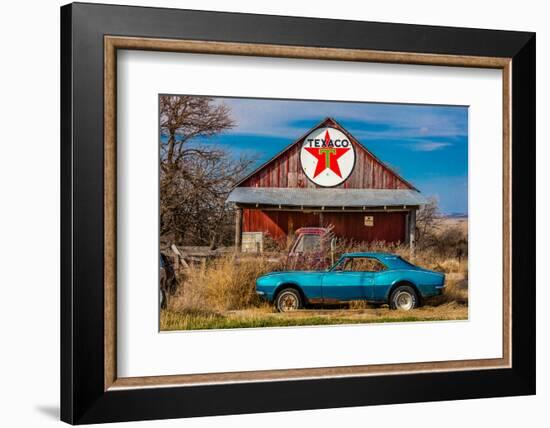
(412, 231)
(238, 228)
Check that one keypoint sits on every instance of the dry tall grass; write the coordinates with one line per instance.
(222, 284)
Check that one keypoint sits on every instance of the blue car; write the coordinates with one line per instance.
(373, 277)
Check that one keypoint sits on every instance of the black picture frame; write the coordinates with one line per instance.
(83, 398)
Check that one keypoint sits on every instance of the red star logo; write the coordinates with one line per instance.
(327, 157)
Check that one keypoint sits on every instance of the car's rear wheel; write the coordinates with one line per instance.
(288, 300)
(404, 298)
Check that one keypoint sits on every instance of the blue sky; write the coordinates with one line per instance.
(427, 145)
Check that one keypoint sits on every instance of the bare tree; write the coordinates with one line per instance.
(195, 179)
(438, 234)
(185, 117)
(428, 223)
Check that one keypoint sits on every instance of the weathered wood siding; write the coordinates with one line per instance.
(286, 171)
(388, 226)
(369, 173)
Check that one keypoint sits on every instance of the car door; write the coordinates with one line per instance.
(379, 284)
(344, 283)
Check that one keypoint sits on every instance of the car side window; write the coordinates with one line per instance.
(367, 264)
(299, 247)
(349, 265)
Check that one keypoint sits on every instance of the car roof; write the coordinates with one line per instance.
(369, 254)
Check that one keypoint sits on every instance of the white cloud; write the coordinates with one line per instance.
(427, 146)
(275, 118)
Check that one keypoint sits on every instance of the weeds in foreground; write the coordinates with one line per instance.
(222, 284)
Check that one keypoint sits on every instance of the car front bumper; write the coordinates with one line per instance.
(262, 295)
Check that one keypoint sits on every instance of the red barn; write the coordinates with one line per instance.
(325, 178)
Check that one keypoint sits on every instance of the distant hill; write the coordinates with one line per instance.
(455, 216)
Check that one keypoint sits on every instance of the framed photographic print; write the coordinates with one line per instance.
(266, 213)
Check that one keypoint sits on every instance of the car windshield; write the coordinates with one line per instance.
(308, 244)
(340, 265)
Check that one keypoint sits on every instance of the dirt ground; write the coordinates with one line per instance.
(267, 317)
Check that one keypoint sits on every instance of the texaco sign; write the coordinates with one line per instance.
(327, 157)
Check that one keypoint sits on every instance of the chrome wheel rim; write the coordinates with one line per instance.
(288, 302)
(404, 301)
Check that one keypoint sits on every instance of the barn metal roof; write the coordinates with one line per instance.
(325, 197)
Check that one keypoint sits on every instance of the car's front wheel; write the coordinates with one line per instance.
(288, 300)
(404, 298)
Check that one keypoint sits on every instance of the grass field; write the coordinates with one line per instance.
(266, 317)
